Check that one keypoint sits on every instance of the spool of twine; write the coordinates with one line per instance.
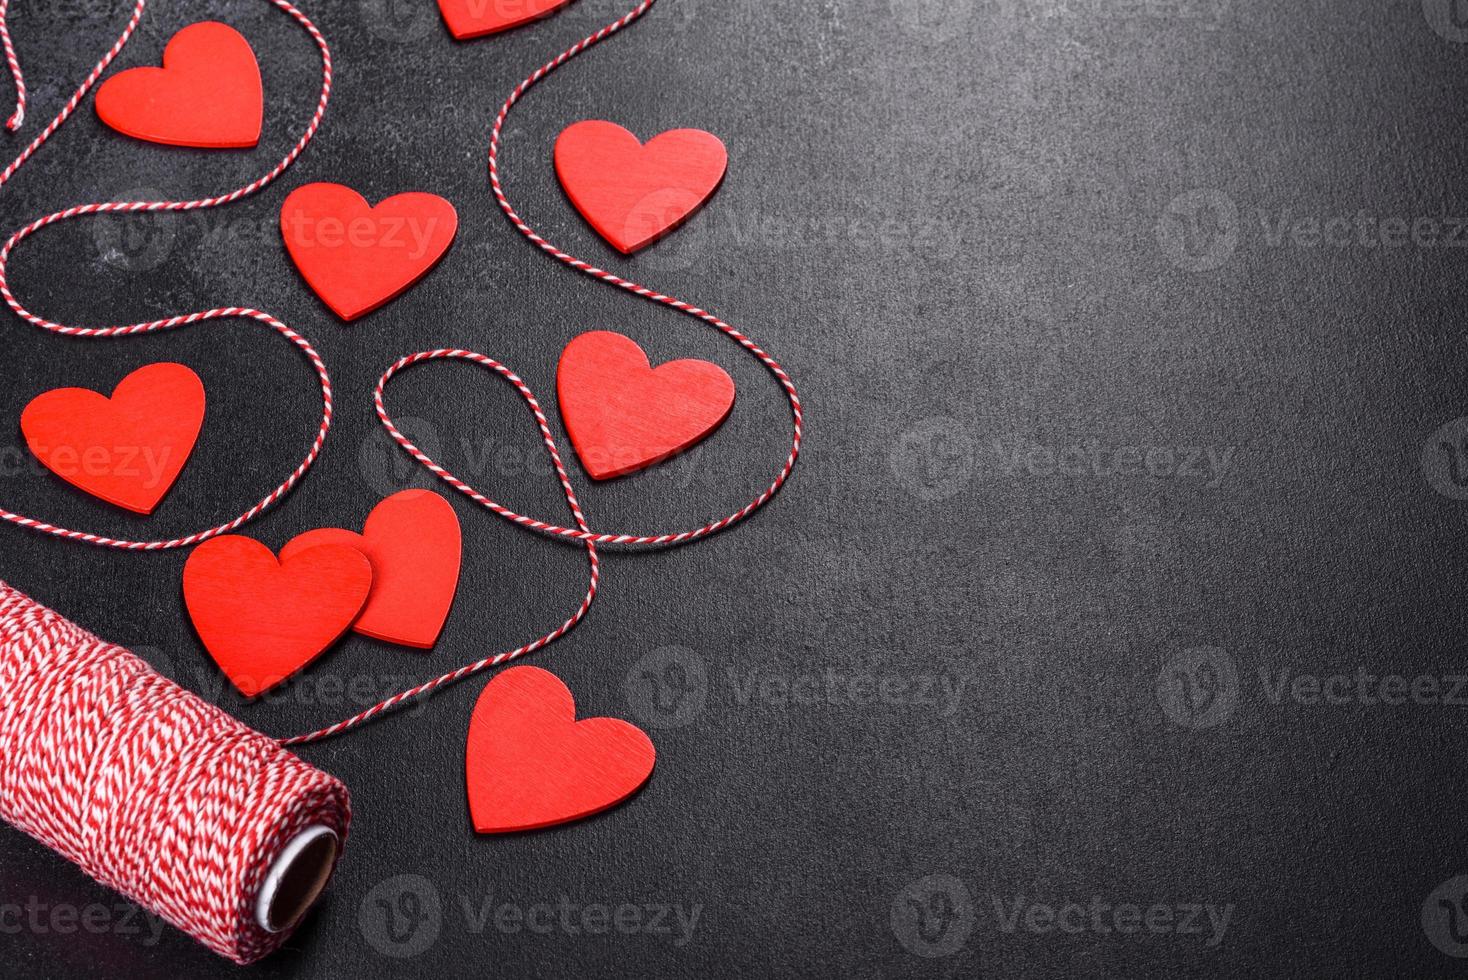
(155, 793)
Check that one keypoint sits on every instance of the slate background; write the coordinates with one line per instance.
(968, 230)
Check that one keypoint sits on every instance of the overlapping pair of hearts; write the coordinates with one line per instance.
(529, 763)
(263, 618)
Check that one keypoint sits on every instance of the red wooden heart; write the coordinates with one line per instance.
(476, 18)
(262, 619)
(413, 541)
(631, 193)
(128, 449)
(623, 415)
(531, 764)
(206, 94)
(357, 257)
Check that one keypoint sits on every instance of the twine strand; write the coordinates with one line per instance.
(581, 532)
(182, 320)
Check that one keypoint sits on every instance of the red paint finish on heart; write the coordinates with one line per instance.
(476, 18)
(207, 93)
(623, 415)
(531, 764)
(357, 257)
(128, 449)
(414, 544)
(262, 619)
(634, 194)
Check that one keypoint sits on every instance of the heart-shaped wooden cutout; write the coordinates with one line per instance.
(414, 544)
(634, 193)
(128, 449)
(531, 764)
(357, 257)
(207, 93)
(623, 415)
(475, 18)
(262, 619)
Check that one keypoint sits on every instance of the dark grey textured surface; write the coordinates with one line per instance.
(978, 235)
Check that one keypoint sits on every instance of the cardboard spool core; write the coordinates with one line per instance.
(297, 878)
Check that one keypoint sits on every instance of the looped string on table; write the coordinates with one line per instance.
(608, 277)
(470, 670)
(581, 532)
(173, 322)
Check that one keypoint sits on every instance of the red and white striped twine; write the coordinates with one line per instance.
(581, 532)
(17, 118)
(150, 790)
(173, 322)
